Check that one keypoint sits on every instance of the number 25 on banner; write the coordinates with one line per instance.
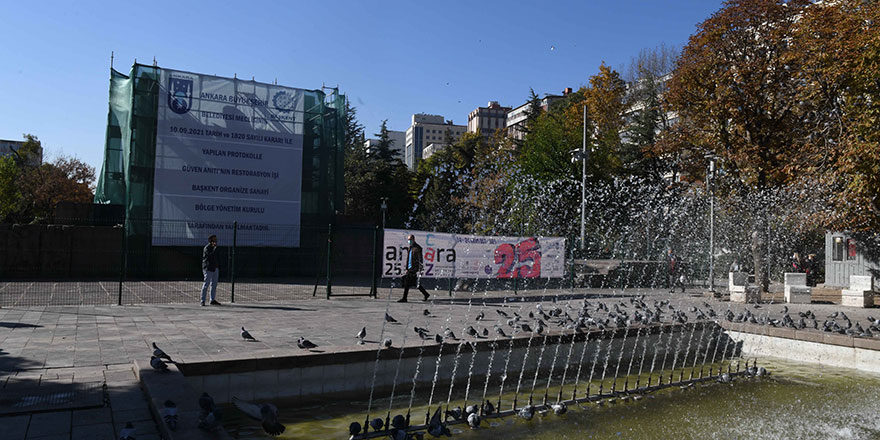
(527, 251)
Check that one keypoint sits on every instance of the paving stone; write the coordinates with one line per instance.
(15, 427)
(92, 416)
(52, 423)
(101, 431)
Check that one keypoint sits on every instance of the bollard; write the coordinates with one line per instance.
(376, 269)
(122, 262)
(329, 253)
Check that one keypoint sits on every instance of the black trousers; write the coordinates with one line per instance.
(412, 279)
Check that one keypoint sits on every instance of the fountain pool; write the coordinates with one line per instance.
(798, 401)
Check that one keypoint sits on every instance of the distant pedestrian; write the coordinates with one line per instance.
(413, 268)
(811, 267)
(674, 275)
(210, 270)
(796, 265)
(734, 267)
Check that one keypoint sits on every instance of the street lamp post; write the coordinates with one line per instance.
(710, 182)
(582, 155)
(384, 207)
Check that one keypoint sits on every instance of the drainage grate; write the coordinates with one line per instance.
(52, 398)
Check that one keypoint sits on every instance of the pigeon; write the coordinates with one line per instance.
(158, 364)
(305, 344)
(398, 422)
(354, 428)
(500, 332)
(526, 328)
(488, 408)
(361, 335)
(211, 420)
(127, 433)
(389, 318)
(559, 408)
(426, 312)
(473, 420)
(438, 339)
(436, 426)
(206, 403)
(481, 316)
(450, 335)
(160, 354)
(527, 412)
(169, 415)
(784, 310)
(246, 336)
(455, 413)
(502, 313)
(265, 413)
(386, 343)
(471, 331)
(377, 424)
(724, 378)
(485, 332)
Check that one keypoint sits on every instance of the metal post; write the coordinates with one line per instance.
(584, 181)
(122, 262)
(376, 269)
(232, 258)
(329, 252)
(711, 180)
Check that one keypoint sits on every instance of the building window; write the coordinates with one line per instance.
(850, 249)
(837, 249)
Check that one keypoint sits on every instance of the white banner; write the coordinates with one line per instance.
(472, 256)
(227, 150)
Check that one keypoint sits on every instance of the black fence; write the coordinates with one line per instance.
(161, 262)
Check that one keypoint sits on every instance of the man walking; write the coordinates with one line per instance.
(413, 267)
(210, 270)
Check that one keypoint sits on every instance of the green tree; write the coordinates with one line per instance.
(384, 148)
(10, 195)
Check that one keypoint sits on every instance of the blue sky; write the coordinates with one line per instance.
(392, 58)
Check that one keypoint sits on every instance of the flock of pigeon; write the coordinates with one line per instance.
(210, 415)
(836, 322)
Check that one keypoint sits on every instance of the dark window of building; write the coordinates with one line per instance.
(837, 249)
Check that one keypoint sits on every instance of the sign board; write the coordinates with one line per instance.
(227, 150)
(473, 256)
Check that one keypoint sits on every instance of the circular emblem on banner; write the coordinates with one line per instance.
(284, 101)
(488, 269)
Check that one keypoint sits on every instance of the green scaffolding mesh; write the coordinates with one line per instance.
(127, 173)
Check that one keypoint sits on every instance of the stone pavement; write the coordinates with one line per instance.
(81, 344)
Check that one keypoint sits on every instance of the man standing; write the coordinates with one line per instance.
(413, 267)
(210, 270)
(673, 271)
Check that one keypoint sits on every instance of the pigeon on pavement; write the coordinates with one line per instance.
(246, 335)
(361, 335)
(160, 354)
(389, 318)
(158, 365)
(127, 433)
(305, 344)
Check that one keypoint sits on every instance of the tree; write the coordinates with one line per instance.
(648, 117)
(734, 88)
(384, 149)
(10, 195)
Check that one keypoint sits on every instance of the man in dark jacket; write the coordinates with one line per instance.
(413, 267)
(210, 270)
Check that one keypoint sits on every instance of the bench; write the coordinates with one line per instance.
(740, 290)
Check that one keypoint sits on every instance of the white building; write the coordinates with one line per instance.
(516, 118)
(424, 131)
(488, 119)
(8, 148)
(398, 143)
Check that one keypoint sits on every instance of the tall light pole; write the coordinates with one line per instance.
(584, 182)
(384, 207)
(710, 182)
(582, 155)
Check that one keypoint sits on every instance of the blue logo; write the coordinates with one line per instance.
(284, 101)
(180, 94)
